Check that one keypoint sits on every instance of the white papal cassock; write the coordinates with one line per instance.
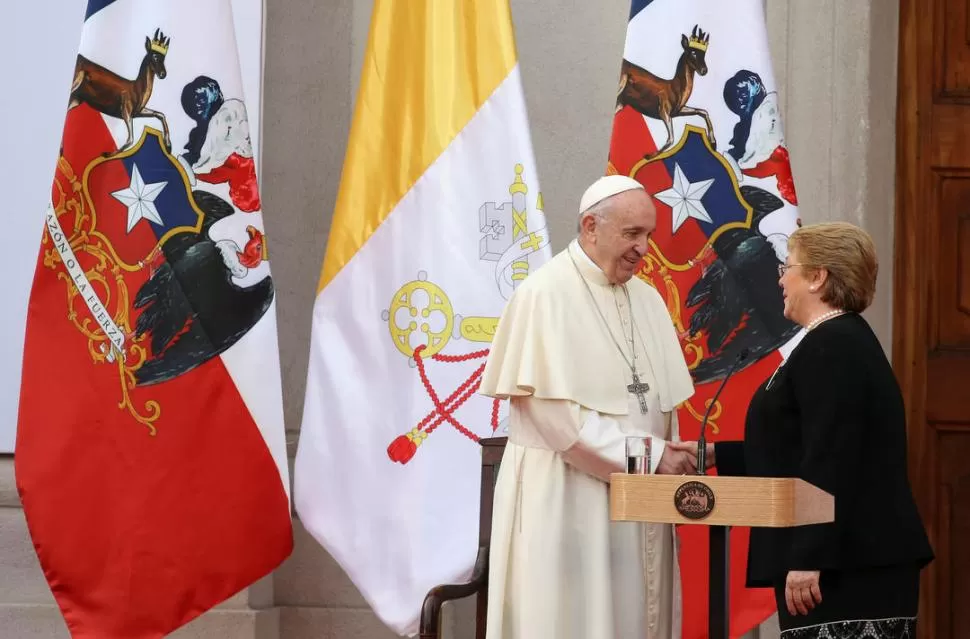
(558, 567)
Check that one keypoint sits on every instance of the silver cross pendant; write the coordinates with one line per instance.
(639, 388)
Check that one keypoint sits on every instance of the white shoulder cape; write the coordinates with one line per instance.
(551, 343)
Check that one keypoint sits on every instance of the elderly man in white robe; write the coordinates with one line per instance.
(589, 356)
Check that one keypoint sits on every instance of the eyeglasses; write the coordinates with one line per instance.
(784, 267)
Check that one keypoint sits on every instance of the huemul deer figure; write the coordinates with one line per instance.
(662, 99)
(113, 95)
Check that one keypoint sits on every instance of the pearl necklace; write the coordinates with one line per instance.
(821, 318)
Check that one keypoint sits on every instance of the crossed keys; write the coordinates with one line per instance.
(421, 321)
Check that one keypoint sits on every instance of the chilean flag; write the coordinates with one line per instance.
(150, 455)
(697, 123)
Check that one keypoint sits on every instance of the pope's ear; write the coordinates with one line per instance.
(587, 223)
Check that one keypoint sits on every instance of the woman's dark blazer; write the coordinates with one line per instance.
(833, 415)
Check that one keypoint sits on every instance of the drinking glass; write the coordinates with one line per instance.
(638, 455)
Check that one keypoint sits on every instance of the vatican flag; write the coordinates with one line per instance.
(437, 221)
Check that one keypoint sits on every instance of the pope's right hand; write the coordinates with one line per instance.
(677, 460)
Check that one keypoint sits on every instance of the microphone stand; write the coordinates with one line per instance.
(702, 439)
(718, 540)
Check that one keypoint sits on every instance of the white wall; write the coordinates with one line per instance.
(31, 118)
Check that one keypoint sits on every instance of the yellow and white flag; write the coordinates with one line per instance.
(438, 220)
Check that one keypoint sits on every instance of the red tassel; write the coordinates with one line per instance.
(402, 449)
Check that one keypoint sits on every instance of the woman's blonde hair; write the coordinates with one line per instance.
(848, 254)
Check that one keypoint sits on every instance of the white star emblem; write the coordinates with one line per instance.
(684, 199)
(140, 200)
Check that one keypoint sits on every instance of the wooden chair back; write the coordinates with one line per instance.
(492, 450)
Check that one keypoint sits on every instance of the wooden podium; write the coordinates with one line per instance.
(719, 503)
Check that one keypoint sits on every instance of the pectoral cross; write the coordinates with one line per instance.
(639, 388)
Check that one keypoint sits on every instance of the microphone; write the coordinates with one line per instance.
(702, 440)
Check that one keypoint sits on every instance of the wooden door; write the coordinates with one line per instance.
(931, 327)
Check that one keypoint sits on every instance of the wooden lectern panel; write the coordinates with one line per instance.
(738, 501)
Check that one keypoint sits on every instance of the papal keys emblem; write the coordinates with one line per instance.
(422, 321)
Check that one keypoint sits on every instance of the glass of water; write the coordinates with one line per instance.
(638, 455)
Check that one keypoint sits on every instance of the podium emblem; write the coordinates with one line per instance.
(694, 500)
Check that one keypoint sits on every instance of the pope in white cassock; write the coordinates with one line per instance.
(588, 355)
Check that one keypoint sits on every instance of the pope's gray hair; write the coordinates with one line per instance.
(600, 210)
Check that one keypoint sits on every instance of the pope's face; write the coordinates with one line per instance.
(619, 240)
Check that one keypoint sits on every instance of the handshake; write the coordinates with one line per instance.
(680, 458)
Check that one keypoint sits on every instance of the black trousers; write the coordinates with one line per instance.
(869, 603)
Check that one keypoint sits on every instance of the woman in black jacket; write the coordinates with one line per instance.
(833, 415)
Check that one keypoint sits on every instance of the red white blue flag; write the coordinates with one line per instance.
(698, 123)
(150, 451)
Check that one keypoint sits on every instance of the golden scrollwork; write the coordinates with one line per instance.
(699, 415)
(654, 268)
(106, 278)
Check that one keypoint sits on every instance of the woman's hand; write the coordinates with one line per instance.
(802, 592)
